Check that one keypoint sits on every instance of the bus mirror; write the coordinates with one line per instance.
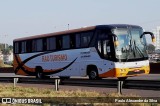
(116, 43)
(153, 40)
(152, 35)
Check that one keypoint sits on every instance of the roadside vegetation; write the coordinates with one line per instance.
(2, 65)
(5, 49)
(10, 91)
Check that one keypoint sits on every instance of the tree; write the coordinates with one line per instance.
(6, 51)
(5, 48)
(151, 48)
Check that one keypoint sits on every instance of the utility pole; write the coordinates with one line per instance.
(68, 26)
(5, 43)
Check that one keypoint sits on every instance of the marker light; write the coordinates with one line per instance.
(153, 40)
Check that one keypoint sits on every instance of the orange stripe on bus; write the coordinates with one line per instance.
(15, 61)
(110, 73)
(21, 72)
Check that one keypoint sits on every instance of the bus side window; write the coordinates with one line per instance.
(78, 40)
(23, 47)
(33, 45)
(39, 45)
(16, 47)
(86, 38)
(66, 42)
(51, 43)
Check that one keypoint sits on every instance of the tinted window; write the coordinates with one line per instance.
(78, 40)
(66, 42)
(16, 47)
(28, 46)
(86, 38)
(37, 45)
(23, 47)
(51, 43)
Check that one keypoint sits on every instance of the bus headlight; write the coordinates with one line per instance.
(122, 70)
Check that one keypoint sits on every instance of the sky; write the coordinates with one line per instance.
(21, 18)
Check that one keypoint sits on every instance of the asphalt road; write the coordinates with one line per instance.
(147, 77)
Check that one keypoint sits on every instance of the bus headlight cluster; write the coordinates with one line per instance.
(122, 70)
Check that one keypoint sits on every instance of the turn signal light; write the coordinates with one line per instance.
(153, 40)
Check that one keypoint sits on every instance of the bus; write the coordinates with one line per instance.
(116, 50)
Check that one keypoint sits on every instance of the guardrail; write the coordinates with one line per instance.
(16, 80)
(133, 84)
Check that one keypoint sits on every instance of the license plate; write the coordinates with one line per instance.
(136, 70)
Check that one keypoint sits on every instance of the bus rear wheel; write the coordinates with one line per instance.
(39, 72)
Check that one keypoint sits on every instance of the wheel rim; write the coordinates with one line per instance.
(93, 75)
(39, 75)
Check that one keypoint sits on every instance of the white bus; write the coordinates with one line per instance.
(100, 51)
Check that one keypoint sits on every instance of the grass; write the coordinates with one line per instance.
(10, 91)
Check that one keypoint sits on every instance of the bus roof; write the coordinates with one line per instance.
(75, 30)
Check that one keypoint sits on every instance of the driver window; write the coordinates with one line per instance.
(104, 45)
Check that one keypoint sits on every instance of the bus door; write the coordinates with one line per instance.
(105, 50)
(85, 56)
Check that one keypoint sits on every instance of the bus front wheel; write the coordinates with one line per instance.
(93, 74)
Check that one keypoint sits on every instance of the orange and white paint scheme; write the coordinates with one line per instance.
(117, 50)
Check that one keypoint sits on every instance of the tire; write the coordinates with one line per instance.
(39, 73)
(93, 74)
(122, 78)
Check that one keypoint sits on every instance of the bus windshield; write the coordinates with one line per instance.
(131, 46)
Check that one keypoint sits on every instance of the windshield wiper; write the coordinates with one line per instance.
(139, 51)
(135, 49)
(131, 48)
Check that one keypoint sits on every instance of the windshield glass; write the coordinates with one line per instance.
(130, 45)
